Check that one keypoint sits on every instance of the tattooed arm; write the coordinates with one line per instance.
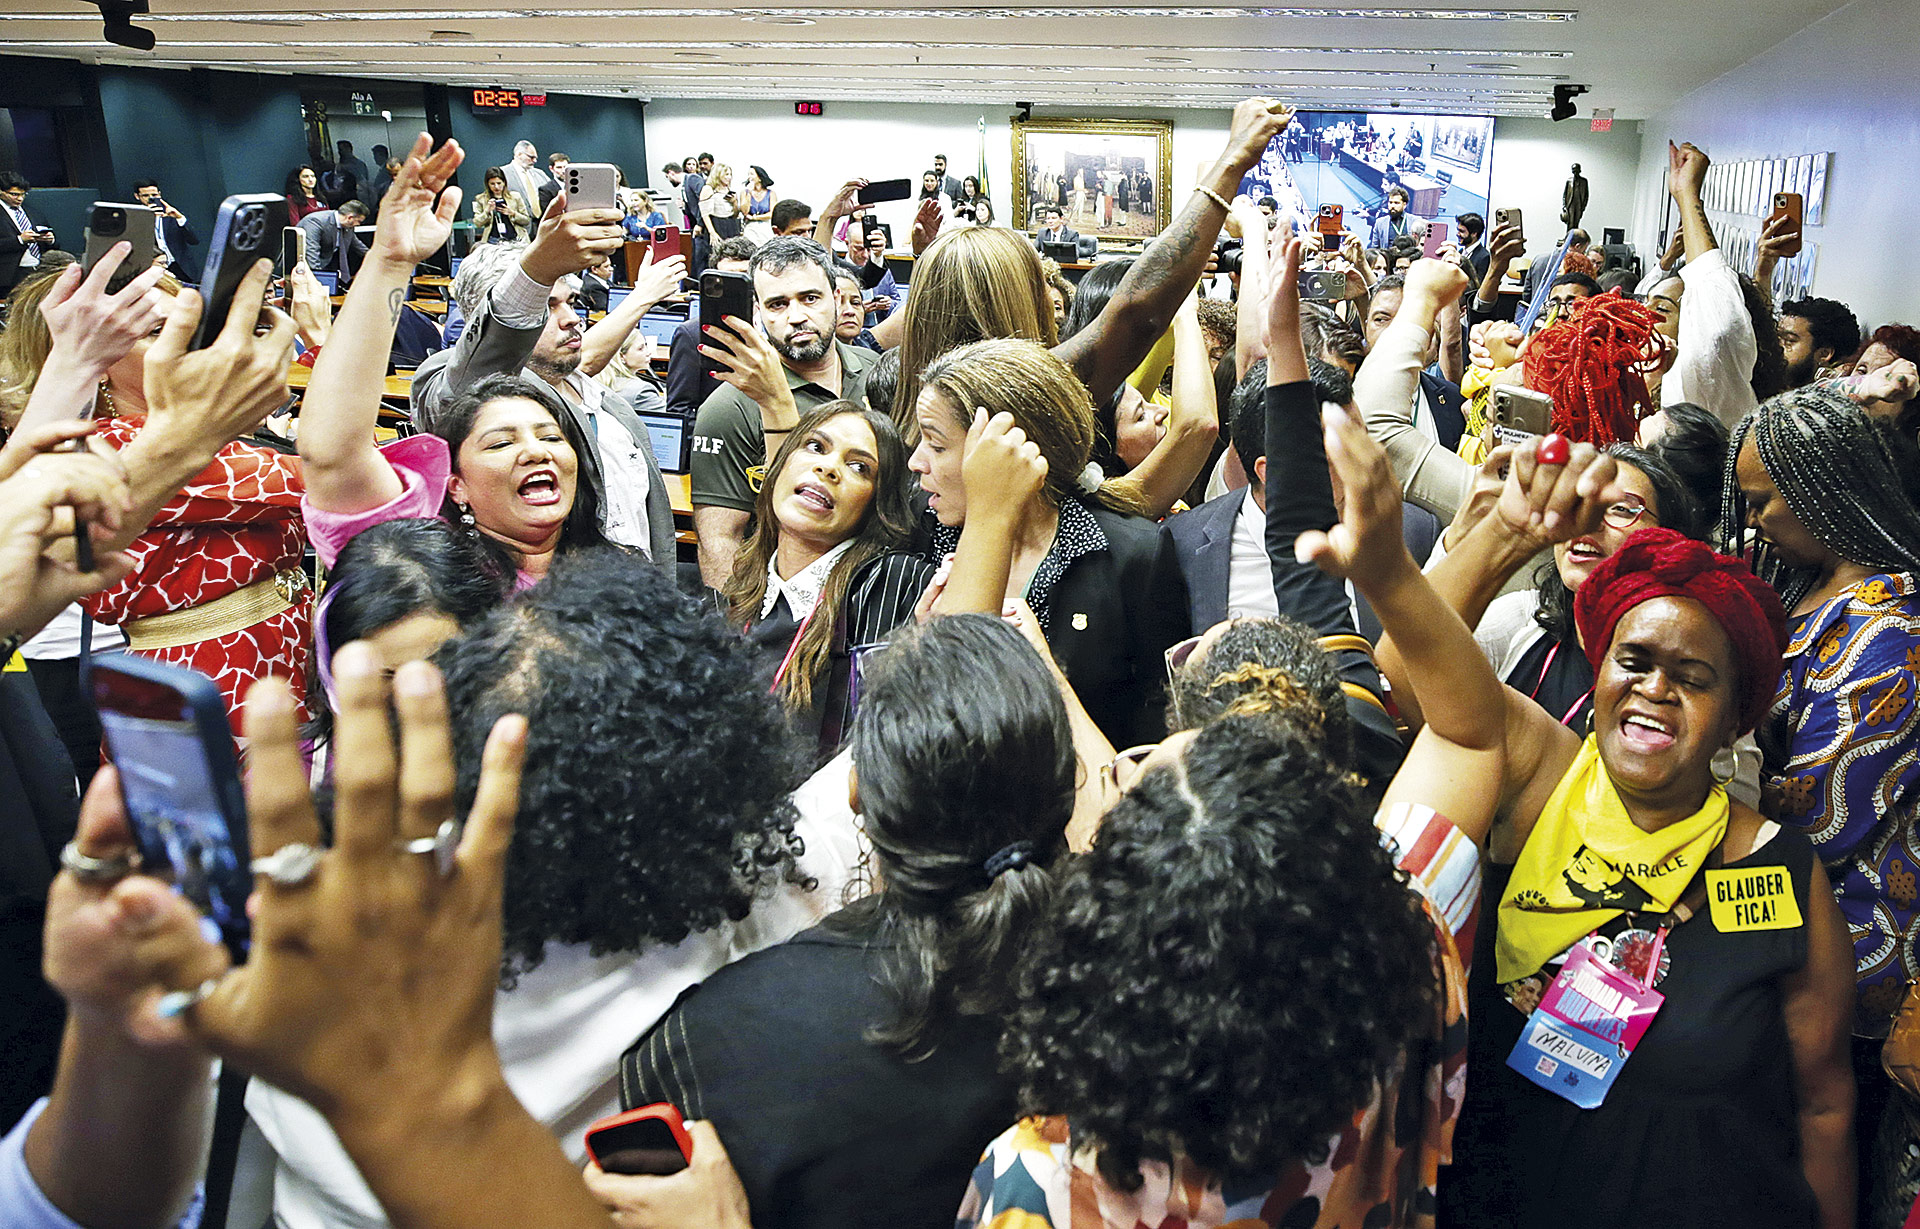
(344, 471)
(1105, 352)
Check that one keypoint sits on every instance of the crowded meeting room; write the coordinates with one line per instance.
(985, 617)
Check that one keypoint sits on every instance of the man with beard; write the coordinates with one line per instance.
(1816, 334)
(519, 304)
(793, 288)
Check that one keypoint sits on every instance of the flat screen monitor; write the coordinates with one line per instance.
(660, 325)
(615, 297)
(672, 441)
(328, 279)
(1352, 159)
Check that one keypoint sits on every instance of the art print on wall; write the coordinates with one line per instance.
(1817, 190)
(1109, 177)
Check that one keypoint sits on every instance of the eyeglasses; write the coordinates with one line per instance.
(1177, 655)
(1625, 514)
(1123, 770)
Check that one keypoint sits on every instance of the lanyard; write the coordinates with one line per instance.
(1540, 682)
(780, 675)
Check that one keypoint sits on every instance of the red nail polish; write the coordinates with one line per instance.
(1554, 450)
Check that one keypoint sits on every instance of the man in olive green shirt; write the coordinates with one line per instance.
(793, 286)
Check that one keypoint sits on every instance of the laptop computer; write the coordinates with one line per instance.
(329, 279)
(616, 296)
(660, 325)
(672, 440)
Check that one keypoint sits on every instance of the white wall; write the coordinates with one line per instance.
(810, 157)
(1532, 159)
(1845, 84)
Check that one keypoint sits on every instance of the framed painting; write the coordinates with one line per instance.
(1109, 177)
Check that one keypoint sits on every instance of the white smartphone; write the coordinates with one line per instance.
(590, 185)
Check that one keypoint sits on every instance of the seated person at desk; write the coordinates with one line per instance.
(521, 320)
(595, 280)
(332, 245)
(1054, 229)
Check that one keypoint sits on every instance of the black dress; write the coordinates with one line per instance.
(1700, 1128)
(825, 1128)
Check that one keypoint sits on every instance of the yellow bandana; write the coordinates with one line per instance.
(1586, 861)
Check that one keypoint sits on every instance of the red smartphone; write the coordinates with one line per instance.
(648, 1140)
(666, 242)
(1788, 205)
(1329, 225)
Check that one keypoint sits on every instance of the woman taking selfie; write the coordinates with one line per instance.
(823, 575)
(1006, 430)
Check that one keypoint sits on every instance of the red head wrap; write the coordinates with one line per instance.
(1661, 563)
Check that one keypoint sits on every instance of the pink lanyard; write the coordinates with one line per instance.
(1540, 682)
(793, 648)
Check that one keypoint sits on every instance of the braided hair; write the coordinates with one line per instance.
(1851, 479)
(1594, 363)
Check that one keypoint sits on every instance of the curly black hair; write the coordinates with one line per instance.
(1230, 971)
(962, 750)
(654, 799)
(1203, 689)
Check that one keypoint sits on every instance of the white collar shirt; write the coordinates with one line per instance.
(802, 589)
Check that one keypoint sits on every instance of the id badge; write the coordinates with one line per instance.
(1587, 1025)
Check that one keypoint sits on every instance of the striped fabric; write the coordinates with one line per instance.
(1443, 863)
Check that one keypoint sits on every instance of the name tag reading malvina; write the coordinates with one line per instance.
(1758, 899)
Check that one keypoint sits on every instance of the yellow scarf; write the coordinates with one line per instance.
(1586, 862)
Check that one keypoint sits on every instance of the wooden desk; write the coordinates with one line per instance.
(433, 281)
(431, 307)
(398, 387)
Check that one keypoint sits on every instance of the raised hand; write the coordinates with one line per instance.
(1366, 545)
(1439, 281)
(927, 221)
(41, 491)
(1001, 464)
(93, 330)
(1686, 170)
(845, 201)
(1556, 491)
(418, 211)
(1884, 388)
(1494, 344)
(379, 966)
(658, 280)
(749, 363)
(1256, 121)
(570, 242)
(309, 305)
(207, 398)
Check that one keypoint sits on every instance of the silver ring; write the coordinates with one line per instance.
(177, 1002)
(441, 845)
(89, 869)
(290, 865)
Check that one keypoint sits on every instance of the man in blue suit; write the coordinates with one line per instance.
(173, 234)
(1394, 223)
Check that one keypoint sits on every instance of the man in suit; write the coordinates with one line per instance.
(1473, 244)
(519, 306)
(1440, 413)
(332, 247)
(950, 187)
(1054, 229)
(23, 239)
(173, 234)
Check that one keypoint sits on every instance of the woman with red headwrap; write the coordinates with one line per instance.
(1660, 1007)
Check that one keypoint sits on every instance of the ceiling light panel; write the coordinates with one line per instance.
(998, 13)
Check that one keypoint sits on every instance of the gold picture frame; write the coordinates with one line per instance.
(1096, 170)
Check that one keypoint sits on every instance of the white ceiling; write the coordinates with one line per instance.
(1638, 55)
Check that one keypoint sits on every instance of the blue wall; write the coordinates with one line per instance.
(206, 134)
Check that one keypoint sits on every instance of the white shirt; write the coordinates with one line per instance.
(59, 640)
(1714, 365)
(563, 1027)
(1249, 571)
(160, 237)
(623, 511)
(802, 589)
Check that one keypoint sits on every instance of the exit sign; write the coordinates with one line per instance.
(808, 108)
(1602, 120)
(362, 103)
(533, 100)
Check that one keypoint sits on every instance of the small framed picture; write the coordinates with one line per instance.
(1817, 190)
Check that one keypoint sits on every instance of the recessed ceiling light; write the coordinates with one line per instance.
(1168, 59)
(1492, 64)
(449, 36)
(696, 55)
(765, 20)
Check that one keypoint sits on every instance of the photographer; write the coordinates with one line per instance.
(172, 233)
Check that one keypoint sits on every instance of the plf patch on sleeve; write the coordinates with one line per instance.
(1756, 899)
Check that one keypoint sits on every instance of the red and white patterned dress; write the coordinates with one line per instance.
(235, 523)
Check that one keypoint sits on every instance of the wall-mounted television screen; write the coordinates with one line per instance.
(1353, 158)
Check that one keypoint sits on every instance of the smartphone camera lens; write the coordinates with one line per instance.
(111, 222)
(249, 227)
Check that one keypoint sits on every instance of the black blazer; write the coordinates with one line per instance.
(12, 248)
(181, 240)
(689, 383)
(1449, 408)
(1112, 617)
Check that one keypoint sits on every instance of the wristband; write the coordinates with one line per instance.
(1213, 196)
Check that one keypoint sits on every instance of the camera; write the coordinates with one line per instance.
(1227, 257)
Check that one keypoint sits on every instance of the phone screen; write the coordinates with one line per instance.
(644, 1146)
(293, 249)
(172, 787)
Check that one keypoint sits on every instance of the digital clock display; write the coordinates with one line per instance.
(494, 101)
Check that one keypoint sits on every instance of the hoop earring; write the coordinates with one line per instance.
(1724, 765)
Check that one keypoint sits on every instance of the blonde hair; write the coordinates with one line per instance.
(721, 176)
(1047, 401)
(26, 342)
(972, 284)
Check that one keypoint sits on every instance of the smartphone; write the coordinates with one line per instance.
(722, 295)
(650, 1140)
(1330, 225)
(1519, 413)
(167, 734)
(240, 236)
(884, 190)
(666, 242)
(109, 222)
(1323, 286)
(293, 249)
(591, 185)
(1788, 205)
(1509, 217)
(1436, 239)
